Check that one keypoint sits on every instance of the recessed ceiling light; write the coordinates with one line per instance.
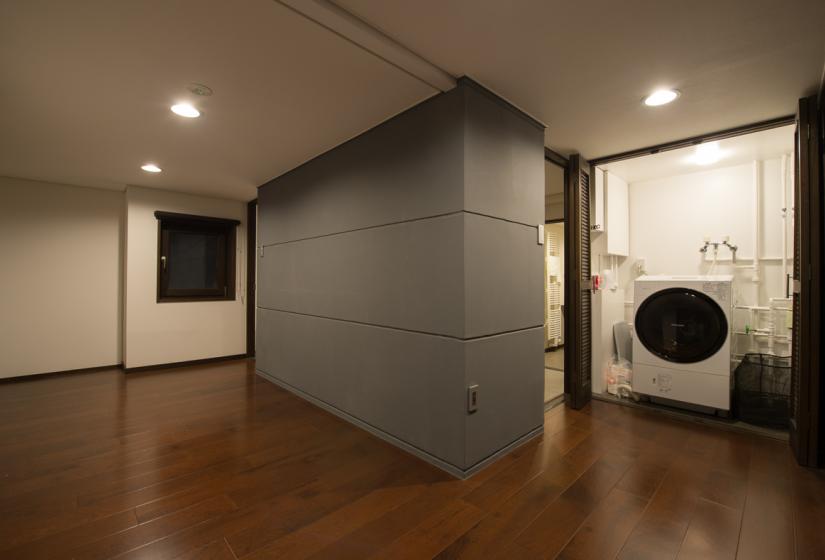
(661, 97)
(707, 154)
(151, 168)
(185, 110)
(200, 89)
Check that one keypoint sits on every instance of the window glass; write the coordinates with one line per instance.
(193, 260)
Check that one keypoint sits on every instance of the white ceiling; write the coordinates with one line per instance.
(762, 145)
(85, 85)
(583, 67)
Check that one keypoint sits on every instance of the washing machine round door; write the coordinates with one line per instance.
(681, 325)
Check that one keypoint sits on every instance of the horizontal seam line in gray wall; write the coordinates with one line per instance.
(414, 331)
(502, 219)
(365, 228)
(398, 223)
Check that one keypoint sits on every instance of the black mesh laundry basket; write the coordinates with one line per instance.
(762, 390)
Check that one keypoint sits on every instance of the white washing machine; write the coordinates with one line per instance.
(682, 340)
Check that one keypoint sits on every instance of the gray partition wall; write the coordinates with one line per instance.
(402, 268)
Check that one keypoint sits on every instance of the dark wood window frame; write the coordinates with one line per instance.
(226, 270)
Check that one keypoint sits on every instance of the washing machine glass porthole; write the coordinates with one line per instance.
(681, 325)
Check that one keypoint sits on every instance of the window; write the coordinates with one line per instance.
(196, 258)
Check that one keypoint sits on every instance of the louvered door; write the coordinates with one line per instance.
(806, 385)
(577, 358)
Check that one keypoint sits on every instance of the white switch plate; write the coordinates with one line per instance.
(472, 398)
(541, 234)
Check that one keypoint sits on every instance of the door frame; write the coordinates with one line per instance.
(807, 430)
(251, 261)
(574, 397)
(559, 160)
(694, 140)
(815, 429)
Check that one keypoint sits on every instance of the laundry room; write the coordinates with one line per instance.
(691, 261)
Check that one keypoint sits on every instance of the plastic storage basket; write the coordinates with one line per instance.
(762, 390)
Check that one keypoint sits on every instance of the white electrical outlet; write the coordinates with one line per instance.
(472, 398)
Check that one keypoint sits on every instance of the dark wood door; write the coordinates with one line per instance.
(806, 385)
(577, 355)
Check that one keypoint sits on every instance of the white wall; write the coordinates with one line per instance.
(60, 286)
(607, 308)
(669, 218)
(558, 229)
(553, 191)
(159, 333)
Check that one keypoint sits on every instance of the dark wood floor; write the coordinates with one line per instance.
(211, 462)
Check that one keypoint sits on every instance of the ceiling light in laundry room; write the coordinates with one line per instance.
(185, 110)
(661, 97)
(151, 168)
(707, 154)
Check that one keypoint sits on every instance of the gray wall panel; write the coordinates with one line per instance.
(403, 383)
(503, 274)
(408, 167)
(504, 162)
(407, 276)
(384, 230)
(509, 370)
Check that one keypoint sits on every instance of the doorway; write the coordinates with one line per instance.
(757, 326)
(690, 299)
(554, 273)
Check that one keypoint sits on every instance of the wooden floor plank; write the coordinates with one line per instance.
(216, 550)
(432, 535)
(606, 529)
(547, 535)
(211, 462)
(61, 544)
(768, 518)
(131, 539)
(507, 520)
(315, 536)
(809, 512)
(713, 533)
(660, 532)
(296, 509)
(381, 532)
